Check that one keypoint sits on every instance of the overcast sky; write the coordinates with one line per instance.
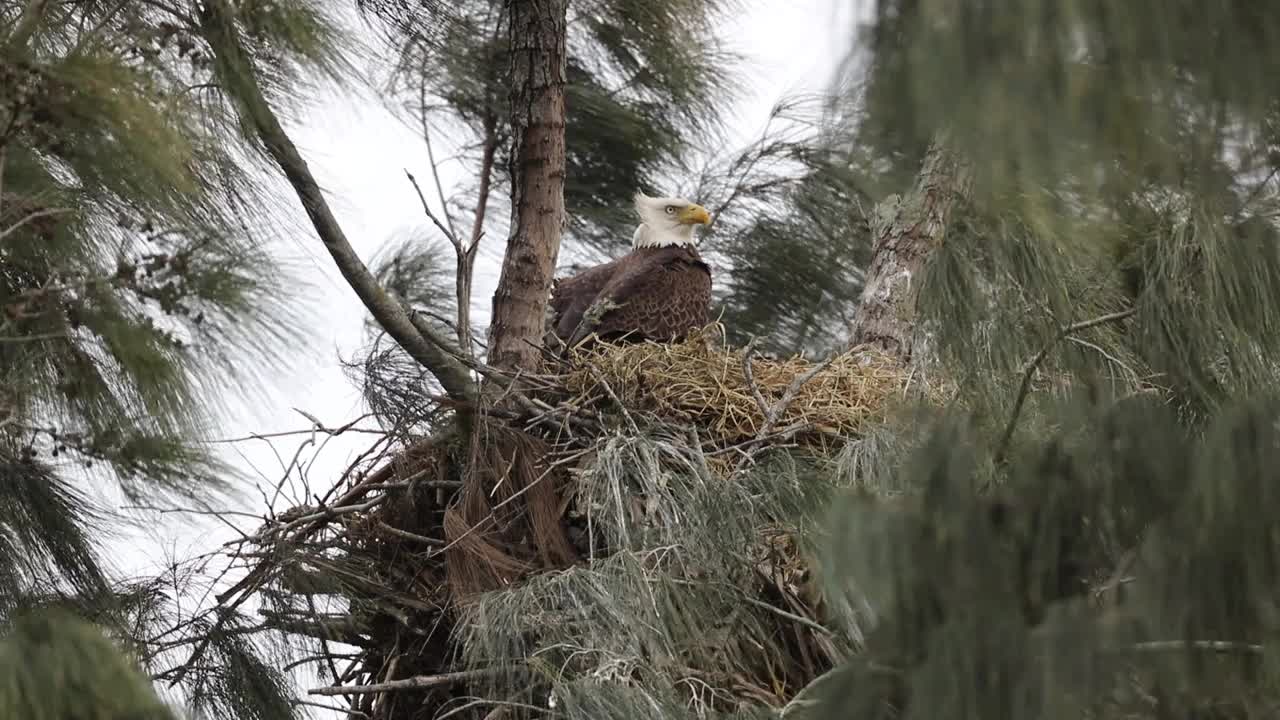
(359, 152)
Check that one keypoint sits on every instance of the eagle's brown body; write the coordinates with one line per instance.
(652, 293)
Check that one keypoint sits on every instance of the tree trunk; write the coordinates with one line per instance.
(488, 543)
(537, 41)
(906, 231)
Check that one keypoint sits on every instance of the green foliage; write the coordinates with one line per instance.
(239, 678)
(1122, 170)
(420, 273)
(138, 301)
(58, 667)
(647, 84)
(1044, 90)
(1119, 166)
(239, 675)
(792, 235)
(1024, 585)
(667, 606)
(242, 671)
(134, 277)
(47, 535)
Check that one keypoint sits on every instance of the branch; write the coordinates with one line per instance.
(420, 682)
(783, 613)
(1025, 387)
(431, 158)
(27, 23)
(467, 256)
(406, 535)
(750, 376)
(426, 208)
(334, 708)
(32, 217)
(462, 275)
(772, 414)
(237, 72)
(1219, 646)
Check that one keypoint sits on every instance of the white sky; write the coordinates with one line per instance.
(359, 152)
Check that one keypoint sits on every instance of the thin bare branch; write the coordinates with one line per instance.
(28, 22)
(748, 372)
(418, 682)
(426, 208)
(406, 535)
(1003, 448)
(467, 256)
(32, 217)
(431, 159)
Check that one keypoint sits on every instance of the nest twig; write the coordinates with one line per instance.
(734, 395)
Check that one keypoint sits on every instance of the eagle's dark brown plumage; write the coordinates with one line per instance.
(655, 294)
(659, 291)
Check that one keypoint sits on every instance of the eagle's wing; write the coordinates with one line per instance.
(658, 297)
(571, 296)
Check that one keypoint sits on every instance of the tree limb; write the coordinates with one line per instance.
(467, 256)
(422, 343)
(1003, 448)
(431, 158)
(28, 21)
(420, 682)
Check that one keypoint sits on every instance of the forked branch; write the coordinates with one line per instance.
(434, 351)
(1002, 449)
(467, 256)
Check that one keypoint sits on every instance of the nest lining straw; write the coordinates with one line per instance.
(702, 381)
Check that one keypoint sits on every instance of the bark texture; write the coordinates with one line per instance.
(906, 230)
(537, 36)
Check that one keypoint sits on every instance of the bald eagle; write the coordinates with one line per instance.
(659, 291)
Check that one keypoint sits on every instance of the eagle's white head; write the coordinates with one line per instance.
(667, 221)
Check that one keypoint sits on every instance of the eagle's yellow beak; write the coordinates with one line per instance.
(695, 215)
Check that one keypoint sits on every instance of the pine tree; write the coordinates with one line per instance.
(1080, 535)
(652, 38)
(1061, 210)
(138, 303)
(647, 89)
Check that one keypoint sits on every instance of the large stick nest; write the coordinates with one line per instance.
(449, 523)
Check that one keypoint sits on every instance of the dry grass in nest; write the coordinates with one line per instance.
(702, 381)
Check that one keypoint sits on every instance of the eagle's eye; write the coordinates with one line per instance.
(671, 209)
